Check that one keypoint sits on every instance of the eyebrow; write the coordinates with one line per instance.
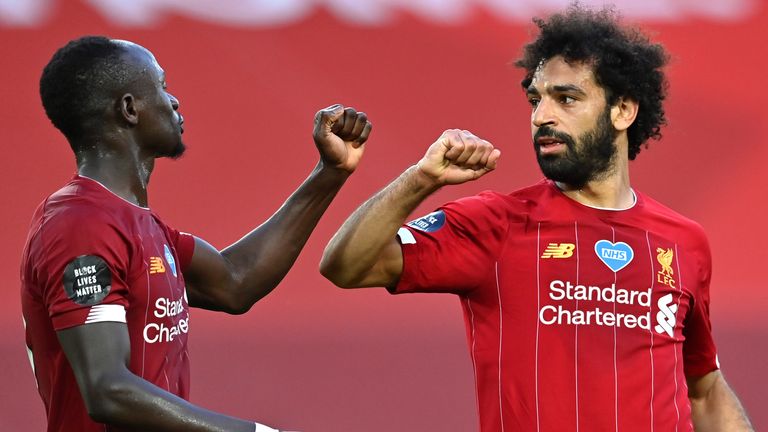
(562, 88)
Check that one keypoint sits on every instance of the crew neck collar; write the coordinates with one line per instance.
(609, 209)
(108, 190)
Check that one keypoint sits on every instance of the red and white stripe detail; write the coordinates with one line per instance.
(106, 313)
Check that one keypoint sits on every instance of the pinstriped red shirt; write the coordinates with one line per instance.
(577, 318)
(93, 257)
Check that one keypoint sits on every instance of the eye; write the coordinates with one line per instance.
(534, 101)
(567, 100)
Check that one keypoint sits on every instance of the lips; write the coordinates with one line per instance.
(547, 141)
(550, 145)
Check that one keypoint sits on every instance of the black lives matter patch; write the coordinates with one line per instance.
(87, 280)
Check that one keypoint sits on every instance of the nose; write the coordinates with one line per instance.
(544, 114)
(174, 102)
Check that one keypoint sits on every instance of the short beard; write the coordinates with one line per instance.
(177, 152)
(592, 159)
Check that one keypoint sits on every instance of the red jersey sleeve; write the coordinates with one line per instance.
(454, 249)
(184, 243)
(81, 267)
(699, 353)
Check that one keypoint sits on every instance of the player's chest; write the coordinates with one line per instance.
(157, 290)
(593, 273)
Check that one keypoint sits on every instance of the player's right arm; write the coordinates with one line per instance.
(365, 252)
(99, 354)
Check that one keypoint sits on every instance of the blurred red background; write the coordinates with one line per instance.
(316, 358)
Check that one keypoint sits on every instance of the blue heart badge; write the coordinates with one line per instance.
(615, 255)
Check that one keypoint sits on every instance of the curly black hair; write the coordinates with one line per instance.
(625, 63)
(79, 82)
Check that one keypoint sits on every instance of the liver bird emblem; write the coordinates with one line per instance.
(665, 259)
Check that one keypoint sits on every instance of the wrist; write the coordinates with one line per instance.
(330, 172)
(421, 181)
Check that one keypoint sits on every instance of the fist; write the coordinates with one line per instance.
(459, 156)
(339, 135)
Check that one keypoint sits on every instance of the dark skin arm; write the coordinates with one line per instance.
(99, 355)
(233, 279)
(230, 280)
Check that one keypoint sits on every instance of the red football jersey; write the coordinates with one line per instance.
(577, 318)
(93, 257)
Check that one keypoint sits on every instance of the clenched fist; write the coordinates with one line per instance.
(458, 156)
(339, 135)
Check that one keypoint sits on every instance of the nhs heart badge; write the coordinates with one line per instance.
(615, 255)
(169, 259)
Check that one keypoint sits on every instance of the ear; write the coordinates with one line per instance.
(623, 113)
(127, 109)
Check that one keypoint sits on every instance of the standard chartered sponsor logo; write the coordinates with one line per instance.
(559, 315)
(160, 332)
(559, 291)
(666, 316)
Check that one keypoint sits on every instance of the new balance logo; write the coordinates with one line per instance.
(156, 265)
(666, 316)
(559, 250)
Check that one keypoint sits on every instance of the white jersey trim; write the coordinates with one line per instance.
(576, 337)
(29, 354)
(501, 334)
(650, 311)
(110, 191)
(264, 428)
(538, 322)
(615, 342)
(474, 345)
(106, 313)
(679, 295)
(634, 201)
(406, 237)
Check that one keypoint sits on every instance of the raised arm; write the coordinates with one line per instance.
(714, 406)
(364, 252)
(98, 354)
(235, 278)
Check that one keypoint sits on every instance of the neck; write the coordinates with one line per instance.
(613, 191)
(126, 175)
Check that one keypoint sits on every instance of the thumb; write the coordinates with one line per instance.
(327, 117)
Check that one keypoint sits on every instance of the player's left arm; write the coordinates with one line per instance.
(714, 406)
(233, 279)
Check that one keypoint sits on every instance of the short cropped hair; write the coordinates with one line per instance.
(78, 83)
(625, 63)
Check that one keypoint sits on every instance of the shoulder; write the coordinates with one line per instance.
(487, 210)
(670, 223)
(77, 217)
(516, 202)
(70, 223)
